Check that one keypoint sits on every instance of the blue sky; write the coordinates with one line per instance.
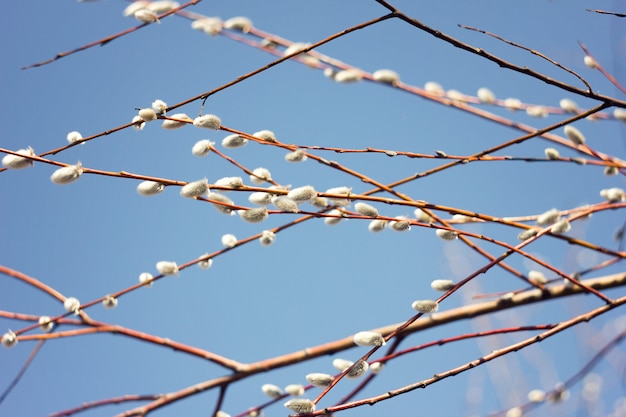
(316, 283)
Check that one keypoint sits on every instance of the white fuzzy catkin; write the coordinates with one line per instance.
(342, 364)
(147, 115)
(486, 95)
(286, 204)
(267, 237)
(148, 188)
(514, 412)
(234, 141)
(527, 234)
(146, 16)
(298, 155)
(461, 218)
(455, 95)
(302, 194)
(560, 227)
(159, 106)
(67, 174)
(368, 338)
(300, 405)
(512, 103)
(568, 105)
(202, 148)
(255, 215)
(162, 6)
(138, 123)
(271, 390)
(376, 367)
(422, 216)
(425, 306)
(221, 413)
(260, 175)
(18, 162)
(260, 197)
(358, 370)
(240, 23)
(319, 202)
(266, 135)
(366, 209)
(620, 114)
(376, 226)
(400, 225)
(610, 171)
(442, 285)
(343, 190)
(74, 137)
(9, 339)
(319, 379)
(536, 396)
(167, 268)
(229, 240)
(386, 76)
(348, 76)
(45, 325)
(205, 263)
(294, 389)
(234, 182)
(195, 188)
(549, 217)
(552, 153)
(536, 111)
(71, 305)
(146, 279)
(332, 221)
(174, 124)
(133, 7)
(590, 62)
(447, 234)
(109, 302)
(537, 277)
(574, 135)
(209, 25)
(222, 199)
(613, 195)
(208, 121)
(434, 88)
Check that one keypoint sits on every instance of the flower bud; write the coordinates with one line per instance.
(260, 175)
(195, 188)
(133, 7)
(613, 195)
(266, 135)
(234, 141)
(260, 198)
(294, 389)
(298, 155)
(9, 339)
(425, 306)
(331, 221)
(147, 115)
(162, 6)
(267, 237)
(146, 16)
(368, 339)
(342, 364)
(148, 188)
(285, 204)
(210, 25)
(234, 182)
(271, 390)
(377, 225)
(447, 234)
(527, 234)
(610, 171)
(348, 76)
(536, 396)
(146, 279)
(74, 137)
(486, 95)
(255, 215)
(552, 153)
(561, 226)
(71, 305)
(590, 62)
(320, 380)
(202, 147)
(366, 210)
(67, 174)
(358, 369)
(229, 240)
(222, 199)
(376, 367)
(138, 123)
(167, 268)
(300, 405)
(240, 23)
(400, 225)
(568, 105)
(421, 216)
(208, 121)
(549, 217)
(442, 285)
(386, 76)
(319, 202)
(174, 124)
(109, 302)
(302, 194)
(18, 162)
(537, 277)
(512, 104)
(206, 262)
(574, 135)
(536, 111)
(45, 324)
(159, 106)
(434, 88)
